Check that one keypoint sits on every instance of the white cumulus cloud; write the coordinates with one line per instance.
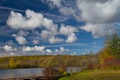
(67, 11)
(47, 34)
(35, 42)
(20, 39)
(32, 20)
(61, 50)
(99, 30)
(99, 11)
(71, 38)
(67, 30)
(54, 40)
(34, 48)
(56, 3)
(99, 16)
(48, 51)
(9, 48)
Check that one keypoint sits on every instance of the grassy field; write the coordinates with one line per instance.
(94, 75)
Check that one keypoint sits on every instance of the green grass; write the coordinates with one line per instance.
(95, 75)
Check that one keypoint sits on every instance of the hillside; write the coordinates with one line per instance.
(47, 60)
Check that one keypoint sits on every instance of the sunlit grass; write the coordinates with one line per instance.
(95, 75)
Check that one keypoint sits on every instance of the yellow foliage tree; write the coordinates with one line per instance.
(12, 63)
(103, 55)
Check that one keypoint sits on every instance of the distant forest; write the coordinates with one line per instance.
(43, 61)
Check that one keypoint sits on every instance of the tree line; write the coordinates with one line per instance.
(43, 61)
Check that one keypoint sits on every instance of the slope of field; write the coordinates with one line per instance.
(95, 75)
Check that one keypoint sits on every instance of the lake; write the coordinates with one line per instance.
(21, 73)
(29, 72)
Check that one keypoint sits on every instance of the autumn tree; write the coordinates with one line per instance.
(110, 54)
(12, 63)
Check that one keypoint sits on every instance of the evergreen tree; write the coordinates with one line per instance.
(113, 45)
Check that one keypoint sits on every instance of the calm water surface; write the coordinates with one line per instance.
(30, 72)
(19, 73)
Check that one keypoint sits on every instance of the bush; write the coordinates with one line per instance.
(51, 73)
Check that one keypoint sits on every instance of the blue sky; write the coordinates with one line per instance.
(40, 27)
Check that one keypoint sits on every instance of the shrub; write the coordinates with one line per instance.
(51, 73)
